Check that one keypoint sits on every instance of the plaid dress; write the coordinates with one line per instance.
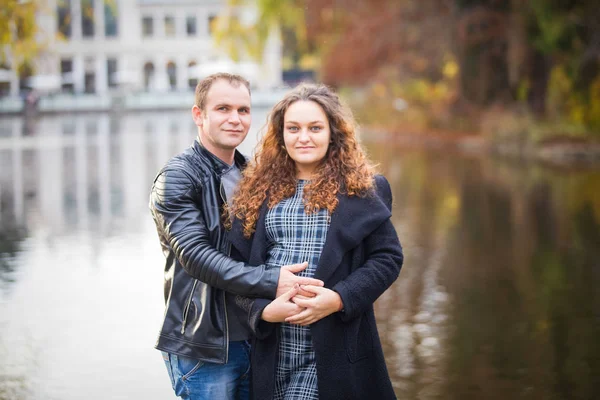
(295, 237)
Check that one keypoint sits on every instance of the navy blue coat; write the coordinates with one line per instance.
(361, 258)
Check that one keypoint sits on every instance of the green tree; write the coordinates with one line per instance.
(19, 33)
(249, 36)
(565, 40)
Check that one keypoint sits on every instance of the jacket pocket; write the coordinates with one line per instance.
(358, 339)
(186, 309)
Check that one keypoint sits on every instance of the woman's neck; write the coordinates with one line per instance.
(305, 174)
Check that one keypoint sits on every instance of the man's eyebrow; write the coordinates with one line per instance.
(232, 106)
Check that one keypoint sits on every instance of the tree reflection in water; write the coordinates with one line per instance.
(498, 297)
(11, 239)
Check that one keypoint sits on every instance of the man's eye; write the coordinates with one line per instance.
(244, 111)
(222, 108)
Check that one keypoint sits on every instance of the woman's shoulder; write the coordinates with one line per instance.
(383, 190)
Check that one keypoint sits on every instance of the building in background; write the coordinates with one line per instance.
(99, 47)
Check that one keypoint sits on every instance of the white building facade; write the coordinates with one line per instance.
(101, 46)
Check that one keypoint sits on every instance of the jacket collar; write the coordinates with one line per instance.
(216, 164)
(354, 219)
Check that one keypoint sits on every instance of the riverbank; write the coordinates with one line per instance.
(431, 117)
(566, 152)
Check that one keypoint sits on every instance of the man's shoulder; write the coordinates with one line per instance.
(182, 173)
(187, 163)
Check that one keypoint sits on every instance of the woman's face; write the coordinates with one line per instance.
(306, 136)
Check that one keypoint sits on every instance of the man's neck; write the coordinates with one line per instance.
(227, 156)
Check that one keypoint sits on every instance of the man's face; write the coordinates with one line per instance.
(225, 120)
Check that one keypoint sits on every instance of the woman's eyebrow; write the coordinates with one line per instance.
(310, 123)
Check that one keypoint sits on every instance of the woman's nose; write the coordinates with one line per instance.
(304, 137)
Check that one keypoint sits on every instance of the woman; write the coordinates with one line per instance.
(311, 196)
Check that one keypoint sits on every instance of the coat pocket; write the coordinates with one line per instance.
(359, 339)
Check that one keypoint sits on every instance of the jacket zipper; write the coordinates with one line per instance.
(221, 192)
(226, 330)
(187, 306)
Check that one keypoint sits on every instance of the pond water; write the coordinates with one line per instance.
(497, 299)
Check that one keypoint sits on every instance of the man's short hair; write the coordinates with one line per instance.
(205, 84)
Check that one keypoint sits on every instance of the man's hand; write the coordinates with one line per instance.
(281, 308)
(287, 279)
(324, 303)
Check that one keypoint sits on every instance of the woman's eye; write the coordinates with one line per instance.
(292, 128)
(315, 128)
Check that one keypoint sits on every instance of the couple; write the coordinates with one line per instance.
(272, 268)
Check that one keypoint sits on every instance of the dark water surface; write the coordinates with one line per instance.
(498, 298)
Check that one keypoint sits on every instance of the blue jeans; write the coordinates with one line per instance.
(199, 380)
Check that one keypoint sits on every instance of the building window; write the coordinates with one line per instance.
(190, 26)
(147, 26)
(192, 79)
(212, 20)
(172, 74)
(87, 18)
(111, 72)
(66, 74)
(148, 75)
(4, 88)
(63, 12)
(5, 83)
(89, 77)
(91, 127)
(169, 25)
(111, 14)
(25, 71)
(68, 127)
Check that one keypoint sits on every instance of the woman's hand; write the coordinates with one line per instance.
(324, 303)
(281, 308)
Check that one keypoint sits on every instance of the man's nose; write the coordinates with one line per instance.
(234, 117)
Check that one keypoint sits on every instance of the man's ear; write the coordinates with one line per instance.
(197, 115)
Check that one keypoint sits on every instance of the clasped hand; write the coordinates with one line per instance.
(303, 305)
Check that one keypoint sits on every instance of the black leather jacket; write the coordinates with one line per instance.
(186, 204)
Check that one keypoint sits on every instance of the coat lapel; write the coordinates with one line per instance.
(253, 249)
(354, 219)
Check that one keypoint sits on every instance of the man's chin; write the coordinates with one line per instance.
(232, 144)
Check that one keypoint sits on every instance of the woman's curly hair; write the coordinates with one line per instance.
(272, 174)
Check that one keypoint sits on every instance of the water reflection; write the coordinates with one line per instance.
(80, 264)
(497, 298)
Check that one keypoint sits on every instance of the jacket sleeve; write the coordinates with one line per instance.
(383, 261)
(254, 308)
(181, 224)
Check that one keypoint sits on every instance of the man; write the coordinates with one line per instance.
(204, 336)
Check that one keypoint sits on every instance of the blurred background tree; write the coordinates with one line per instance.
(249, 36)
(19, 39)
(450, 60)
